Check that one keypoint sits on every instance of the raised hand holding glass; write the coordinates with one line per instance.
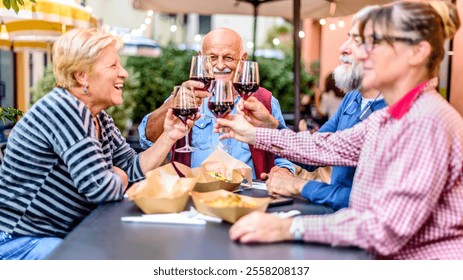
(202, 70)
(221, 102)
(185, 107)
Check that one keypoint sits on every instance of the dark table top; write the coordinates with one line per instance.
(102, 235)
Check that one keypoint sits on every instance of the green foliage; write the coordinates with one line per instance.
(43, 86)
(156, 78)
(278, 76)
(14, 4)
(282, 32)
(9, 113)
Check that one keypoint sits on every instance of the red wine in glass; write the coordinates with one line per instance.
(221, 109)
(246, 89)
(185, 114)
(201, 70)
(246, 79)
(205, 80)
(184, 107)
(221, 102)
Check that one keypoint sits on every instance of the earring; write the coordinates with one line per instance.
(85, 90)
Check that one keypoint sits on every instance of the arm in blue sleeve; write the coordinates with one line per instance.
(284, 163)
(144, 143)
(335, 196)
(276, 112)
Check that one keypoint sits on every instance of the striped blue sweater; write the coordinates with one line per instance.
(56, 171)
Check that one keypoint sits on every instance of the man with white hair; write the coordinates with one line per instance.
(355, 107)
(225, 47)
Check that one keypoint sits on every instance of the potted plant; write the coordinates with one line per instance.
(9, 113)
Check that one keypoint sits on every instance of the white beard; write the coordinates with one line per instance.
(348, 77)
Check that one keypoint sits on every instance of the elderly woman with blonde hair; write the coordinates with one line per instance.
(407, 194)
(66, 156)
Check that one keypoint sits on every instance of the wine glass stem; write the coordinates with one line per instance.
(187, 140)
(203, 108)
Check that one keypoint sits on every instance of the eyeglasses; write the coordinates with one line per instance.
(226, 59)
(373, 40)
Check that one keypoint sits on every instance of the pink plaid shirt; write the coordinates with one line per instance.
(407, 194)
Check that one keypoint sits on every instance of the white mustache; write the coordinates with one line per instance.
(224, 71)
(346, 59)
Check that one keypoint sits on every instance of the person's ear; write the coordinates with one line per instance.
(244, 56)
(420, 53)
(81, 78)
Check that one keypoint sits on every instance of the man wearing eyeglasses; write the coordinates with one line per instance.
(355, 107)
(225, 47)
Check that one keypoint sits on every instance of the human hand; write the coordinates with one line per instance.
(256, 113)
(260, 227)
(282, 182)
(235, 126)
(175, 128)
(265, 176)
(200, 91)
(121, 173)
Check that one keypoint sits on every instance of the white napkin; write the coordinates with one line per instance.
(191, 217)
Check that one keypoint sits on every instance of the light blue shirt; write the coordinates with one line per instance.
(204, 138)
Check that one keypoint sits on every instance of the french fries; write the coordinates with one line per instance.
(228, 201)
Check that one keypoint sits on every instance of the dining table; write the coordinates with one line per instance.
(103, 236)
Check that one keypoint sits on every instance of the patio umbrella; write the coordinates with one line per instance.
(37, 25)
(289, 9)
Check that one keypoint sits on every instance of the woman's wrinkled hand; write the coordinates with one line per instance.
(256, 113)
(237, 127)
(260, 227)
(175, 128)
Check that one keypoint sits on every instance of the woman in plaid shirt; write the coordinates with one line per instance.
(407, 195)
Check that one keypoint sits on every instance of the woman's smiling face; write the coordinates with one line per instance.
(107, 79)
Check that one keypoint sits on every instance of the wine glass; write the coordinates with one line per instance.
(201, 70)
(246, 79)
(221, 102)
(184, 107)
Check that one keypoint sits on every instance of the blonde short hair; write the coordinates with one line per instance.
(77, 51)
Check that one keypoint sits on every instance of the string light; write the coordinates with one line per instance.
(249, 45)
(332, 24)
(341, 23)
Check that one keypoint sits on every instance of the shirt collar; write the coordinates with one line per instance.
(401, 107)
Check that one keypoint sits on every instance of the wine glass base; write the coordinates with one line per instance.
(186, 149)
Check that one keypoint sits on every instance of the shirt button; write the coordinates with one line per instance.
(202, 125)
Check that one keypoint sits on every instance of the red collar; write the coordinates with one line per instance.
(401, 107)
